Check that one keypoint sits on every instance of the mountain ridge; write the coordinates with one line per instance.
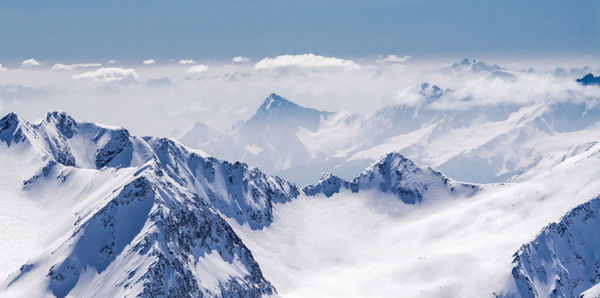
(398, 175)
(154, 220)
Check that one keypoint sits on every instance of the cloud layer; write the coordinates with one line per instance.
(108, 74)
(219, 94)
(60, 66)
(305, 61)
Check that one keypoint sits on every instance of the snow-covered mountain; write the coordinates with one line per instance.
(125, 215)
(589, 79)
(91, 210)
(473, 65)
(395, 174)
(269, 139)
(564, 259)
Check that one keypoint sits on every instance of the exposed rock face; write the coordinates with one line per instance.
(119, 144)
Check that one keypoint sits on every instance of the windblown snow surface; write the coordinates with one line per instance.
(373, 245)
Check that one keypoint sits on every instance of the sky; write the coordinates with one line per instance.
(131, 30)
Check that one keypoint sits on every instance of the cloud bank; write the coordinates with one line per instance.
(60, 66)
(146, 106)
(108, 74)
(305, 61)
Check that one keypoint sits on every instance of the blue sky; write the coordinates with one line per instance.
(133, 30)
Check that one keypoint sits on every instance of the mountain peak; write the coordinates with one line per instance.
(474, 65)
(9, 119)
(282, 112)
(62, 121)
(276, 101)
(393, 173)
(329, 185)
(9, 129)
(58, 114)
(430, 92)
(589, 79)
(392, 156)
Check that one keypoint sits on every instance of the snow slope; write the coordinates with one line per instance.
(92, 210)
(371, 244)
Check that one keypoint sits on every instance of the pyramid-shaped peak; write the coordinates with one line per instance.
(278, 114)
(394, 156)
(275, 101)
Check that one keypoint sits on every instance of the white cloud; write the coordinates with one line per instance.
(393, 59)
(305, 60)
(112, 61)
(240, 59)
(2, 68)
(187, 61)
(30, 62)
(108, 74)
(197, 68)
(60, 66)
(149, 61)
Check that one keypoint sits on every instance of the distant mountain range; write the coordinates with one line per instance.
(481, 144)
